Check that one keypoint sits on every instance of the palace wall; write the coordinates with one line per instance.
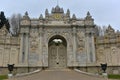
(108, 47)
(85, 51)
(9, 48)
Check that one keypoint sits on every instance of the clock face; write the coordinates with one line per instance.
(57, 16)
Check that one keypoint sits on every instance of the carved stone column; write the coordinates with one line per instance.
(21, 49)
(45, 49)
(74, 46)
(40, 63)
(26, 48)
(93, 47)
(87, 48)
(90, 47)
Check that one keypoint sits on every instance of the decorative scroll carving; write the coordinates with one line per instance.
(3, 31)
(34, 40)
(80, 41)
(113, 49)
(101, 55)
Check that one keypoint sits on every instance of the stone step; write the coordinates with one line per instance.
(63, 74)
(56, 69)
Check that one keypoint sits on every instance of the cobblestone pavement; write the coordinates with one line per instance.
(58, 75)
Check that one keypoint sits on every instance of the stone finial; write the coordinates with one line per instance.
(41, 16)
(74, 17)
(88, 16)
(53, 10)
(109, 26)
(88, 13)
(68, 13)
(61, 10)
(26, 16)
(46, 12)
(57, 9)
(110, 30)
(26, 13)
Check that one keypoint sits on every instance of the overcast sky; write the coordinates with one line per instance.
(104, 12)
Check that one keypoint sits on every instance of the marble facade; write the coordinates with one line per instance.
(83, 47)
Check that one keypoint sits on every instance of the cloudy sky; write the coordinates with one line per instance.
(104, 12)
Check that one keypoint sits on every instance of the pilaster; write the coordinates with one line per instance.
(26, 48)
(40, 63)
(21, 49)
(93, 48)
(44, 49)
(74, 46)
(90, 48)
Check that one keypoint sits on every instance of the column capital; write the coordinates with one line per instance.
(74, 30)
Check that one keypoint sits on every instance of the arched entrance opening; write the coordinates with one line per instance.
(57, 52)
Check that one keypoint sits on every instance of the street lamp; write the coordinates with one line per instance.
(57, 42)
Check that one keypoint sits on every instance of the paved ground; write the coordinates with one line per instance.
(58, 75)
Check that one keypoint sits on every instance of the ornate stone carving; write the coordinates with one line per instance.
(80, 40)
(110, 31)
(34, 40)
(33, 59)
(101, 56)
(78, 33)
(113, 49)
(3, 31)
(81, 56)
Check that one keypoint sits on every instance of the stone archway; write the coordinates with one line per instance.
(57, 52)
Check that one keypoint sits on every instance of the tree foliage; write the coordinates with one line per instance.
(100, 31)
(15, 23)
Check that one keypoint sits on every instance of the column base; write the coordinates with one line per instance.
(10, 75)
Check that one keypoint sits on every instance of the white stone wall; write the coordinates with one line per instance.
(108, 55)
(9, 48)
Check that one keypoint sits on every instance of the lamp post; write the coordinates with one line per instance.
(57, 42)
(10, 68)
